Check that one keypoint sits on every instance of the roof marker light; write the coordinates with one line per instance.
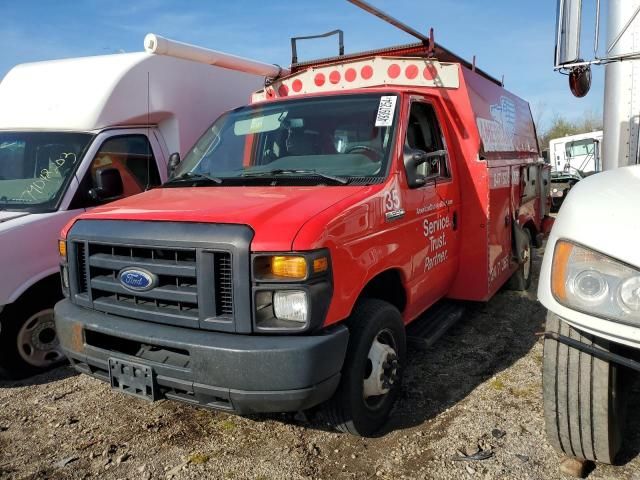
(283, 90)
(366, 72)
(297, 85)
(429, 72)
(411, 72)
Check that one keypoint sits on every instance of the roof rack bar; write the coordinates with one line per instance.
(294, 49)
(389, 19)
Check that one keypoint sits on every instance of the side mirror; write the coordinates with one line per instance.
(568, 32)
(174, 161)
(414, 158)
(108, 185)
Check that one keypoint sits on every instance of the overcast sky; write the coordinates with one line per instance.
(510, 38)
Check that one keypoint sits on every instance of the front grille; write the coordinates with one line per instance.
(173, 300)
(200, 272)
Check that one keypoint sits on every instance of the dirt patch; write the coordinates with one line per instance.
(479, 387)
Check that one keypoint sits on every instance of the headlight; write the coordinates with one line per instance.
(585, 280)
(282, 310)
(291, 305)
(291, 290)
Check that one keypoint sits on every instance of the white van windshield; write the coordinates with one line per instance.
(342, 138)
(35, 167)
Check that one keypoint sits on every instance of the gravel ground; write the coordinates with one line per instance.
(478, 387)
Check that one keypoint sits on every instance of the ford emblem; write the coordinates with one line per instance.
(137, 279)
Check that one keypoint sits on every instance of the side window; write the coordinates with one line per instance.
(132, 156)
(424, 133)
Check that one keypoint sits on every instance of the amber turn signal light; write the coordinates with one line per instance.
(62, 248)
(320, 265)
(561, 256)
(289, 267)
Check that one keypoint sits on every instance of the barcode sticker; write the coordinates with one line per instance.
(386, 111)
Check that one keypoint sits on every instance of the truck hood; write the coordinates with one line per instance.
(601, 212)
(275, 214)
(6, 216)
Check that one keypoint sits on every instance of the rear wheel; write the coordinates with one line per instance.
(584, 397)
(372, 372)
(28, 340)
(521, 279)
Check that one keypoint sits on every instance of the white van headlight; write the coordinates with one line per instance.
(585, 280)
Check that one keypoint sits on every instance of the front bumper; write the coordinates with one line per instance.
(231, 372)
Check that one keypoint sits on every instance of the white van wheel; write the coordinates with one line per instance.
(37, 341)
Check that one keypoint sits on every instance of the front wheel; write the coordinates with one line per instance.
(584, 397)
(372, 372)
(28, 340)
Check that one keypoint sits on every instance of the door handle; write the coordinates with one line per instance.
(454, 221)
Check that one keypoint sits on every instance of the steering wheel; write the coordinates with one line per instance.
(366, 149)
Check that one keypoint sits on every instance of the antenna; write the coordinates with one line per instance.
(389, 19)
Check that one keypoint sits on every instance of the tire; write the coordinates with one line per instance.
(348, 410)
(521, 279)
(584, 397)
(28, 342)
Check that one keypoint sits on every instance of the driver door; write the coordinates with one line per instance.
(431, 208)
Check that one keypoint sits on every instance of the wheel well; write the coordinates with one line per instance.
(48, 287)
(387, 286)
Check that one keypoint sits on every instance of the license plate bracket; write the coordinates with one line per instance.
(132, 378)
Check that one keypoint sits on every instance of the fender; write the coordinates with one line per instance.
(33, 281)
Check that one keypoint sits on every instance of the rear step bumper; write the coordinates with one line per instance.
(238, 373)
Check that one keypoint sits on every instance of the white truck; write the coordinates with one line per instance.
(573, 158)
(579, 152)
(78, 133)
(590, 276)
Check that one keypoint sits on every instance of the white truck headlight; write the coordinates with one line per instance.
(630, 295)
(291, 305)
(588, 281)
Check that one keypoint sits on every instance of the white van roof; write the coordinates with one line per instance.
(92, 93)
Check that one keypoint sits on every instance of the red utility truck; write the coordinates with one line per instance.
(278, 268)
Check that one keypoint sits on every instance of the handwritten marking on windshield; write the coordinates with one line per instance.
(37, 187)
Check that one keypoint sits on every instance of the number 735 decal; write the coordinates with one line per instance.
(392, 210)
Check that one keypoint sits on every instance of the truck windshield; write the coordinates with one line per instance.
(327, 139)
(35, 168)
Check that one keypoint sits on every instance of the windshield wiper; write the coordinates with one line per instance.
(297, 171)
(192, 176)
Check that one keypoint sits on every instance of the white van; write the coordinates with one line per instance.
(75, 134)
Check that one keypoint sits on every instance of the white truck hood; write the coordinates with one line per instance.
(602, 212)
(6, 216)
